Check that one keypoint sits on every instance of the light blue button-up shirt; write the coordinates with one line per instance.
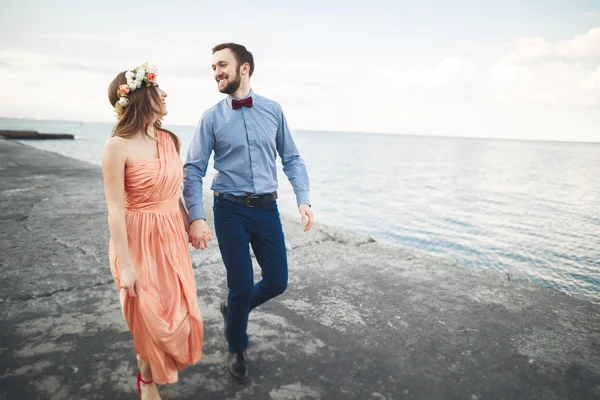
(246, 143)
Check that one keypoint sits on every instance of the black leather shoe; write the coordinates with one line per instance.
(238, 366)
(224, 314)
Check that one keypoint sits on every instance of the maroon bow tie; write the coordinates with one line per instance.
(237, 104)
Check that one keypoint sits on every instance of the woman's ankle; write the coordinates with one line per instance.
(145, 370)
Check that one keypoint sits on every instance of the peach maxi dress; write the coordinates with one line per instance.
(165, 319)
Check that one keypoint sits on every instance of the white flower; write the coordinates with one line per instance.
(152, 68)
(132, 85)
(140, 74)
(129, 75)
(138, 83)
(123, 101)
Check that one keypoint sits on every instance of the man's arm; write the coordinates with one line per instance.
(295, 170)
(194, 171)
(293, 164)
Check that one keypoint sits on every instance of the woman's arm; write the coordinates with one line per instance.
(114, 158)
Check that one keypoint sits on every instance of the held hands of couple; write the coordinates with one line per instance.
(200, 234)
(307, 216)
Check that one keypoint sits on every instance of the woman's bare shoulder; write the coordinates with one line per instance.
(116, 146)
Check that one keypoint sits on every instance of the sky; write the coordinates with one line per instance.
(526, 69)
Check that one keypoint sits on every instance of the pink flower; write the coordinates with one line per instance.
(151, 77)
(124, 89)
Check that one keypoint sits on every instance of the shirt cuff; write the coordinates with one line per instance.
(303, 198)
(196, 212)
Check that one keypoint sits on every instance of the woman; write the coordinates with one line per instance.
(148, 250)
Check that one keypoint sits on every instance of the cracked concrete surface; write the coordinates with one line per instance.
(360, 319)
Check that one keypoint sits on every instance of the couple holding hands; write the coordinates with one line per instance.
(148, 221)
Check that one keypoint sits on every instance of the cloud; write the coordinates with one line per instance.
(20, 59)
(591, 14)
(525, 71)
(538, 71)
(88, 37)
(86, 67)
(321, 84)
(108, 42)
(192, 71)
(582, 48)
(7, 63)
(551, 83)
(30, 61)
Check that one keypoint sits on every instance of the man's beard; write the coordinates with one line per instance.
(233, 85)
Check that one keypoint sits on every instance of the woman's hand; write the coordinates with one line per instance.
(128, 280)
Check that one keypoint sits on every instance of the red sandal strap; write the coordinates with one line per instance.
(143, 381)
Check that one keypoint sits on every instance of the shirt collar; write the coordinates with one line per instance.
(230, 97)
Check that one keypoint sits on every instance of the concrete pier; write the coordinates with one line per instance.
(360, 319)
(33, 135)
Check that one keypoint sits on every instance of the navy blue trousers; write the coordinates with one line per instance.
(238, 227)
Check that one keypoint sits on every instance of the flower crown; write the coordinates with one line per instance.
(145, 73)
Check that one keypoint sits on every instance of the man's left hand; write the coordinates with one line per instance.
(307, 216)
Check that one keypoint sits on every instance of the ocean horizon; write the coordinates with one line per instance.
(10, 121)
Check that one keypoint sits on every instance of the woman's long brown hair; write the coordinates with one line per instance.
(138, 115)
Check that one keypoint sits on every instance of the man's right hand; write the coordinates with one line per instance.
(200, 234)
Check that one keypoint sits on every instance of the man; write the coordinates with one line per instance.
(246, 132)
